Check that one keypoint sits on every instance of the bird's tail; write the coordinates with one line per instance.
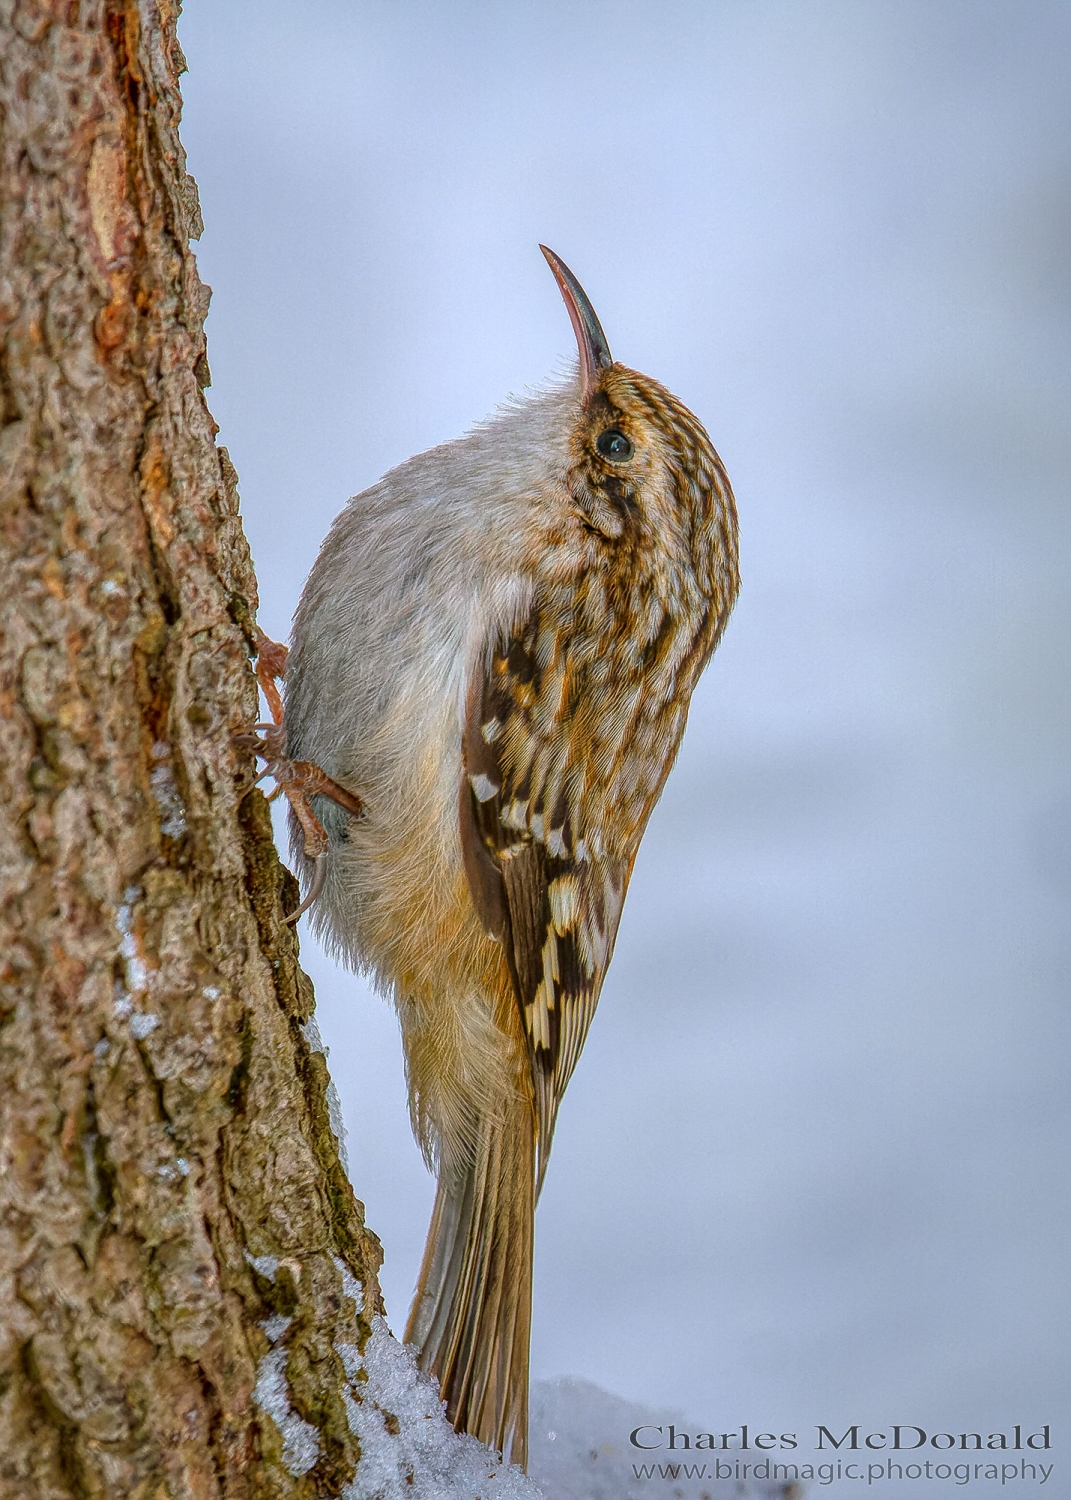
(471, 1316)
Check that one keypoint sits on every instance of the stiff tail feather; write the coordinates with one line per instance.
(471, 1316)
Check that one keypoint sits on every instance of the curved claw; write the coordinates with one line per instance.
(319, 879)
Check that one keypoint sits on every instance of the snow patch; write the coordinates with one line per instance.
(135, 968)
(264, 1265)
(579, 1449)
(137, 971)
(140, 1026)
(301, 1443)
(409, 1451)
(311, 1032)
(275, 1327)
(162, 781)
(171, 1171)
(350, 1285)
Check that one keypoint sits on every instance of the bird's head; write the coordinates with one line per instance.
(644, 473)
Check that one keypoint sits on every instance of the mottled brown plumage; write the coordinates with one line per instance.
(495, 653)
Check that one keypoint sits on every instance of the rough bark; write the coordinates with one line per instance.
(171, 1189)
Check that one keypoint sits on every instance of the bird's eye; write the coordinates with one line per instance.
(614, 445)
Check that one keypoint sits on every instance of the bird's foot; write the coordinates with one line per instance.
(298, 780)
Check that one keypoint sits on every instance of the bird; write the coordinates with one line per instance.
(488, 678)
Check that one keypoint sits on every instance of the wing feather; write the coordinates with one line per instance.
(535, 881)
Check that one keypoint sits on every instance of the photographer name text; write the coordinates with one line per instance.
(899, 1437)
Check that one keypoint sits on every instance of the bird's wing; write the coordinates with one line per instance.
(541, 883)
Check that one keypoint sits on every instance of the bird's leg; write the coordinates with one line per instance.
(298, 780)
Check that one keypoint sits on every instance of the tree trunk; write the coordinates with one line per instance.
(179, 1240)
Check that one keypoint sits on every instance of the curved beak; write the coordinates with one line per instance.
(591, 341)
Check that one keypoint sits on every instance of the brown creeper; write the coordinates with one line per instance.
(494, 656)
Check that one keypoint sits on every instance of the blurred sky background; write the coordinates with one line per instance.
(811, 1167)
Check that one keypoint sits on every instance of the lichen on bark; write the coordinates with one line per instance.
(173, 1210)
